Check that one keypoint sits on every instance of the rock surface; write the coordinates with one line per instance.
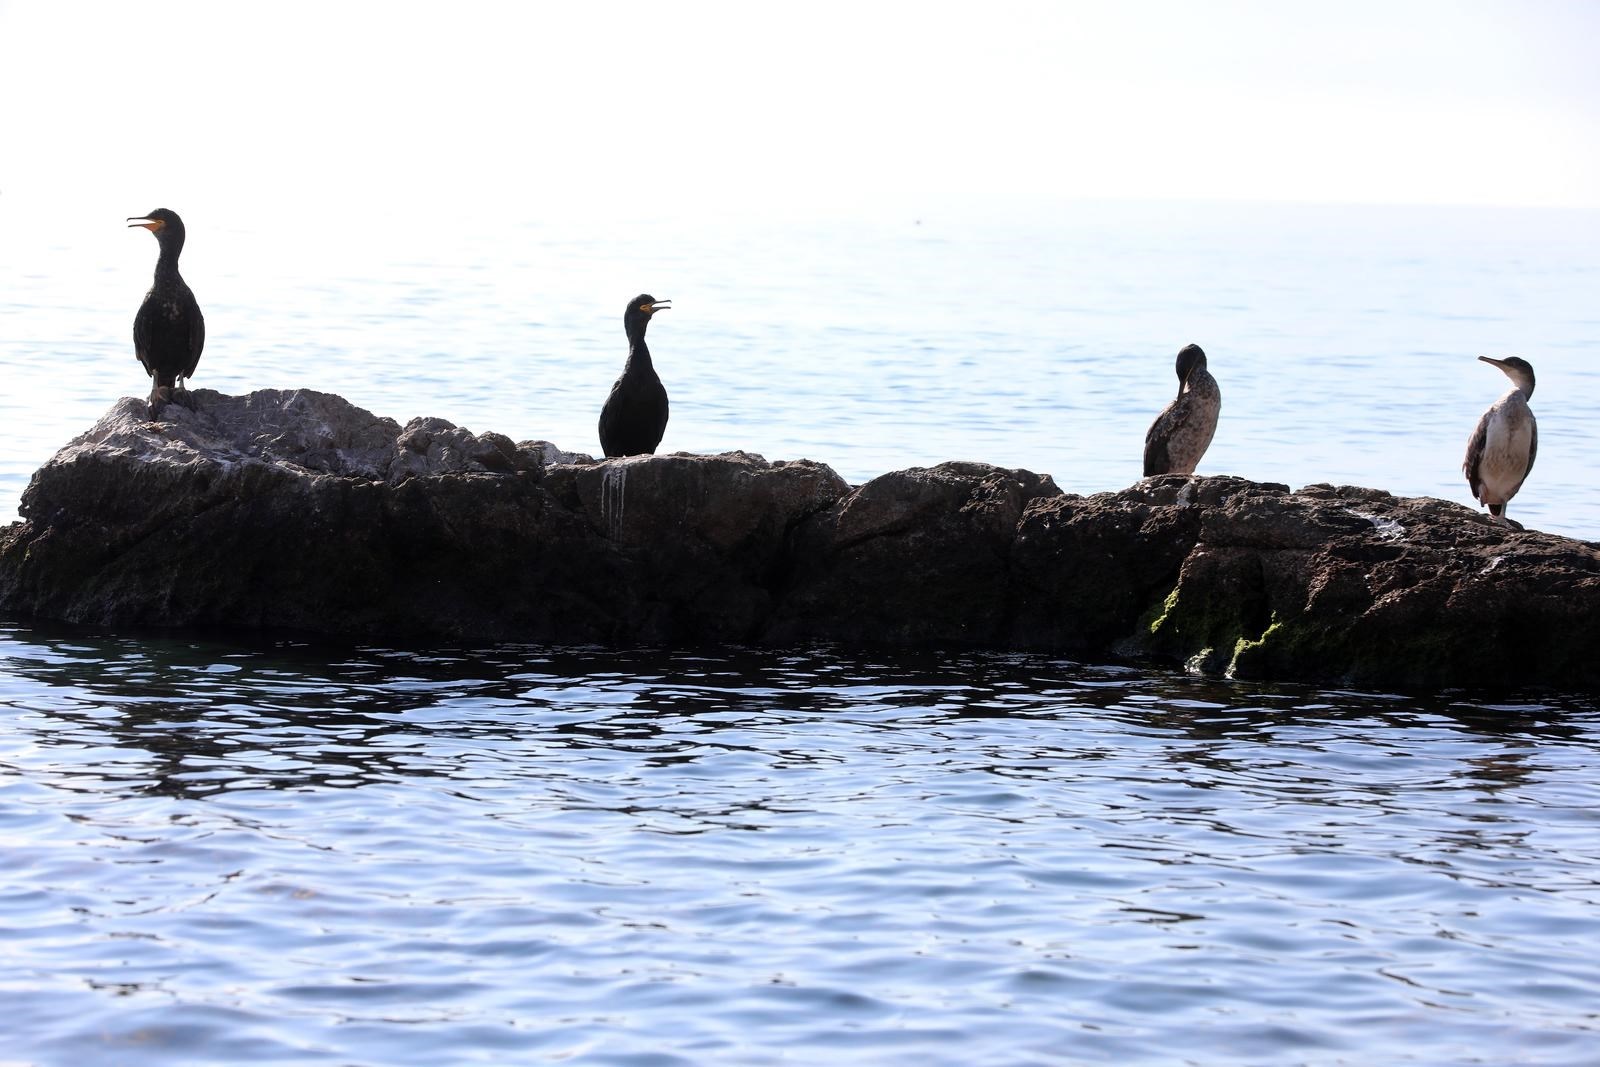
(296, 510)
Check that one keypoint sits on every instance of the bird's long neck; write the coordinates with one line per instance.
(638, 351)
(167, 265)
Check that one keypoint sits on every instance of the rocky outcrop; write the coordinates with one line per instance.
(299, 511)
(1382, 591)
(915, 557)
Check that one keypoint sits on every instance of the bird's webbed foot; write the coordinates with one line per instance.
(163, 395)
(181, 395)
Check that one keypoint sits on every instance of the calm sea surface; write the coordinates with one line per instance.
(223, 852)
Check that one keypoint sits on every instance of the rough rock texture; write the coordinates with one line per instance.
(298, 510)
(1331, 583)
(915, 557)
(1356, 585)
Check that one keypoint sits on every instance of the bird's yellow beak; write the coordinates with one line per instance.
(150, 224)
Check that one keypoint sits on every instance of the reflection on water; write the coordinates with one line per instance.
(288, 853)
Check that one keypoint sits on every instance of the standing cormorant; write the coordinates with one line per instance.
(635, 414)
(169, 331)
(1182, 432)
(1500, 451)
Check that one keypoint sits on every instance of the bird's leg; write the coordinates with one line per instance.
(180, 394)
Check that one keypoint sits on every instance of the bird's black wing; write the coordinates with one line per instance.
(143, 333)
(611, 419)
(1474, 458)
(634, 417)
(197, 336)
(660, 429)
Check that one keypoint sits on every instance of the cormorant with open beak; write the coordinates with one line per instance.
(635, 414)
(1501, 450)
(168, 332)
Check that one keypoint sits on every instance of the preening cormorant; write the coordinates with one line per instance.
(168, 332)
(635, 414)
(1182, 432)
(1500, 451)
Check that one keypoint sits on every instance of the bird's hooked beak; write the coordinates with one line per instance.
(153, 225)
(1493, 362)
(660, 305)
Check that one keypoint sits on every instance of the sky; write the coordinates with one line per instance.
(466, 108)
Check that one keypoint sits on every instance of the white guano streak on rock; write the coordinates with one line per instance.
(1388, 529)
(613, 487)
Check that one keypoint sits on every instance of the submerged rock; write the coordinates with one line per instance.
(297, 510)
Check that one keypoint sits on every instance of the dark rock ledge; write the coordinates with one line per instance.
(297, 510)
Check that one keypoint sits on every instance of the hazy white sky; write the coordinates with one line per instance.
(463, 107)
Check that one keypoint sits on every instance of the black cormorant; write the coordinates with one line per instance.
(635, 414)
(1501, 450)
(1182, 432)
(168, 331)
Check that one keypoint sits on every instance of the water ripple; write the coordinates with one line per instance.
(284, 853)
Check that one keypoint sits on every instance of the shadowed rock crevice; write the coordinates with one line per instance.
(296, 510)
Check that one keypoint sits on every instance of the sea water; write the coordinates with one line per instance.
(218, 853)
(226, 850)
(1344, 339)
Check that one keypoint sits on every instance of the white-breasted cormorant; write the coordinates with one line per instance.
(168, 332)
(1500, 451)
(635, 414)
(1182, 432)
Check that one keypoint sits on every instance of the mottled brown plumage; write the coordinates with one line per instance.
(1183, 431)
